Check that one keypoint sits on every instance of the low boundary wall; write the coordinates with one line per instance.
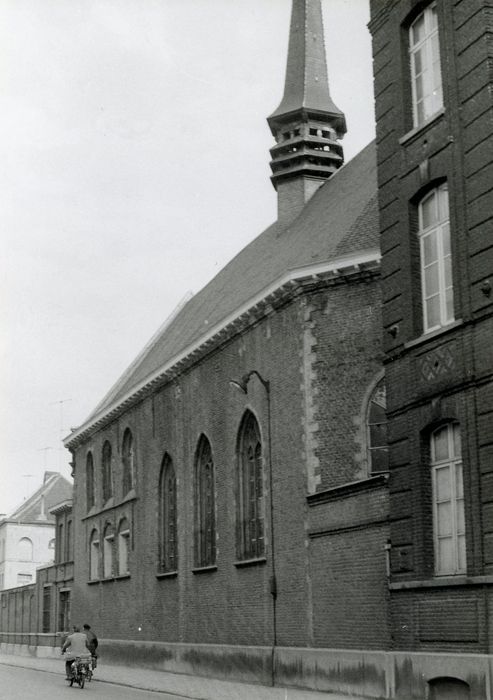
(377, 675)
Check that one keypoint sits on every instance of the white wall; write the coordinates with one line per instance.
(15, 562)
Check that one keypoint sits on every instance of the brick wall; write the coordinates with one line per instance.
(444, 376)
(233, 604)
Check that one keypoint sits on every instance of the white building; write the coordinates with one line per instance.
(27, 536)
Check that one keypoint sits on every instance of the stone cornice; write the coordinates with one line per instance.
(290, 285)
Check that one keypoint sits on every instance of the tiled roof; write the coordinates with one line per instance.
(339, 220)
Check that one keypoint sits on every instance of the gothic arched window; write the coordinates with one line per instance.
(128, 461)
(89, 481)
(250, 502)
(205, 516)
(168, 540)
(107, 473)
(376, 422)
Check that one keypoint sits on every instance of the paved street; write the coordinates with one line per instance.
(26, 676)
(27, 684)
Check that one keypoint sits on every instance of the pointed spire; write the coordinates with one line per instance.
(307, 124)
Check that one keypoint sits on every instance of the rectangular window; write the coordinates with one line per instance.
(123, 541)
(426, 77)
(436, 260)
(108, 556)
(448, 501)
(60, 555)
(69, 541)
(94, 559)
(64, 611)
(46, 608)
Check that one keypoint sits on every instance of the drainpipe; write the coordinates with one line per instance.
(387, 546)
(243, 386)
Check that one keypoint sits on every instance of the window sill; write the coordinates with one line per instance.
(250, 562)
(167, 574)
(442, 582)
(204, 569)
(120, 577)
(433, 334)
(417, 130)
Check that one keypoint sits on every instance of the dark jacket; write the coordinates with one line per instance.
(92, 641)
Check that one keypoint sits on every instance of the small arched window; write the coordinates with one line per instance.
(128, 461)
(107, 473)
(89, 481)
(108, 551)
(94, 555)
(376, 423)
(123, 547)
(250, 502)
(448, 501)
(25, 549)
(168, 536)
(205, 516)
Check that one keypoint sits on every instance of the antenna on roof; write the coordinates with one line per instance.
(62, 429)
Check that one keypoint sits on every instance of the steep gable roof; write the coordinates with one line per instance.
(36, 508)
(341, 219)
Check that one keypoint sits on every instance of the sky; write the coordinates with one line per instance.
(133, 166)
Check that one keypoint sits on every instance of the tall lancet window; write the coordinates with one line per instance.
(89, 481)
(250, 491)
(128, 461)
(107, 473)
(378, 451)
(168, 536)
(205, 516)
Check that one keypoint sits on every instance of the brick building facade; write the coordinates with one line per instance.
(275, 490)
(233, 469)
(432, 65)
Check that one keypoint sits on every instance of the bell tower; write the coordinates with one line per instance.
(307, 125)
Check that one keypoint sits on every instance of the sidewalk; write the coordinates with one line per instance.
(189, 687)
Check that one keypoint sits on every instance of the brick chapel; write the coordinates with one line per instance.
(293, 483)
